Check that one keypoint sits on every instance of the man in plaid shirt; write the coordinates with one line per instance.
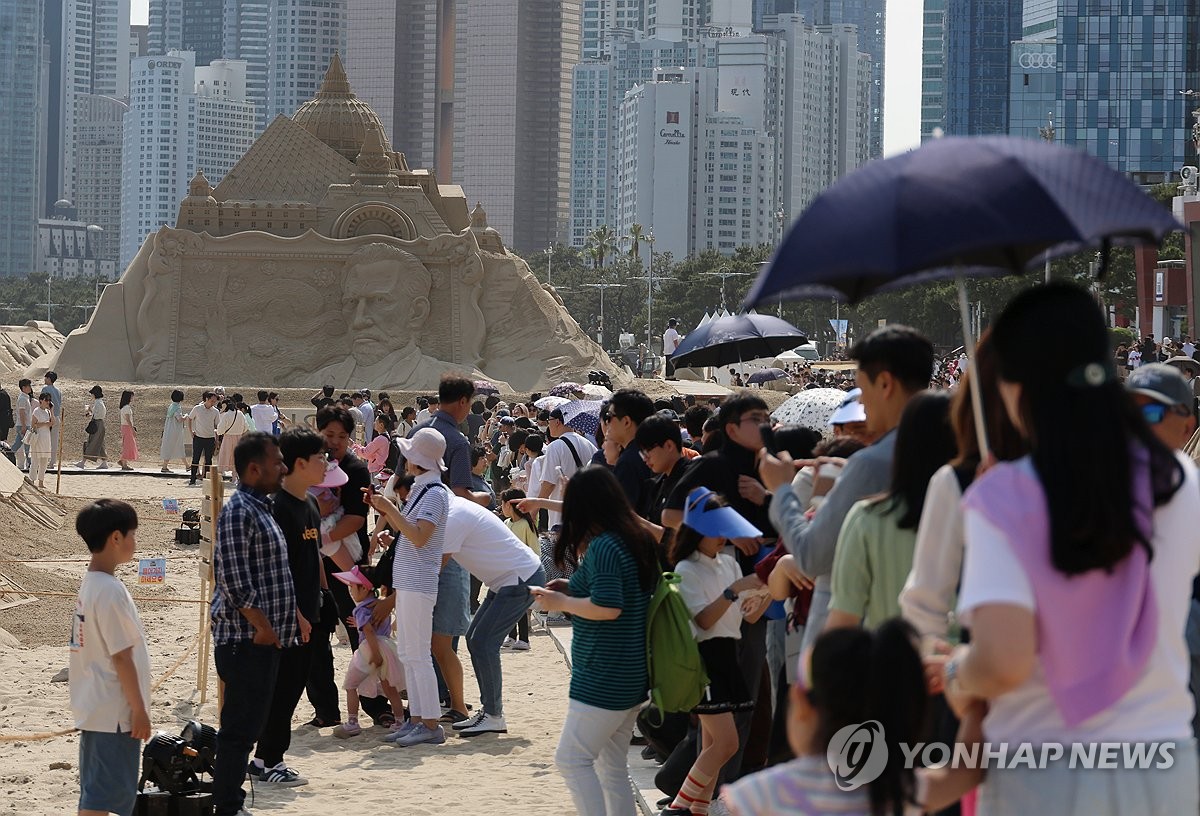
(254, 614)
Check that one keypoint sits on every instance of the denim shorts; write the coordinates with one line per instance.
(452, 613)
(108, 772)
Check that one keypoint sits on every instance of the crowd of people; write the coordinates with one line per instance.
(1030, 584)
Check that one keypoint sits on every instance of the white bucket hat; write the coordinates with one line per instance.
(424, 449)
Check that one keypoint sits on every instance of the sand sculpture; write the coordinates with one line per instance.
(22, 346)
(321, 258)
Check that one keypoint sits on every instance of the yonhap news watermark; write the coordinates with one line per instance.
(858, 754)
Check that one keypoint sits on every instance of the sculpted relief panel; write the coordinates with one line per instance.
(370, 311)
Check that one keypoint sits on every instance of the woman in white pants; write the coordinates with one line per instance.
(43, 421)
(608, 595)
(421, 530)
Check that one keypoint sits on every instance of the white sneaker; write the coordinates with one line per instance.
(520, 646)
(469, 722)
(487, 725)
(508, 642)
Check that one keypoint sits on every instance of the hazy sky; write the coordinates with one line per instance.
(902, 111)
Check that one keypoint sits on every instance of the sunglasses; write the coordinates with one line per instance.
(1156, 412)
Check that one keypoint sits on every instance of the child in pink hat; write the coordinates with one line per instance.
(376, 663)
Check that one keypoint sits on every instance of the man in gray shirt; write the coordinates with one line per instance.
(894, 363)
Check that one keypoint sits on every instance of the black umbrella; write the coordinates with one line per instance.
(957, 207)
(766, 375)
(735, 338)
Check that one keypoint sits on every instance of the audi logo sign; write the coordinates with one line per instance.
(1043, 60)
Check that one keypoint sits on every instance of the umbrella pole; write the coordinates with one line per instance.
(972, 370)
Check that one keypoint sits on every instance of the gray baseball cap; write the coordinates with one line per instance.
(1161, 383)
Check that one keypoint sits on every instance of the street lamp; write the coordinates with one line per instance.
(723, 273)
(602, 287)
(549, 263)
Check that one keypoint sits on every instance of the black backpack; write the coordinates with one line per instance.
(393, 457)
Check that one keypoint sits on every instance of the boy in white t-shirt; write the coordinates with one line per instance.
(110, 667)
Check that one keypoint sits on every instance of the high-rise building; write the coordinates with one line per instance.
(392, 61)
(139, 41)
(512, 113)
(194, 25)
(933, 69)
(762, 9)
(95, 61)
(827, 118)
(599, 87)
(245, 31)
(676, 20)
(99, 149)
(302, 37)
(1033, 89)
(21, 131)
(1039, 20)
(973, 58)
(718, 126)
(656, 132)
(602, 18)
(179, 117)
(70, 248)
(870, 18)
(1121, 79)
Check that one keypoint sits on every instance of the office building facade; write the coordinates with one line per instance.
(96, 42)
(826, 130)
(1121, 78)
(98, 191)
(22, 86)
(193, 25)
(394, 61)
(181, 119)
(967, 93)
(512, 113)
(302, 37)
(870, 18)
(598, 89)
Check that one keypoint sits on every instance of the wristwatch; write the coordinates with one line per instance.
(729, 595)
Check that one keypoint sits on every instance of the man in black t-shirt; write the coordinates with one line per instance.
(627, 409)
(297, 515)
(323, 398)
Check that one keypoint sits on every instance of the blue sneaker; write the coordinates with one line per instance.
(420, 735)
(402, 731)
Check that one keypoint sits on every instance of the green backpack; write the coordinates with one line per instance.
(678, 681)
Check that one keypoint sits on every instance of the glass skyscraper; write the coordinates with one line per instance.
(21, 128)
(965, 62)
(1122, 70)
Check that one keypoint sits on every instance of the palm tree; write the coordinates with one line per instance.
(635, 242)
(600, 245)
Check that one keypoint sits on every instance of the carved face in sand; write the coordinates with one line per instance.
(385, 299)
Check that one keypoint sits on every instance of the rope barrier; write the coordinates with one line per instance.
(153, 688)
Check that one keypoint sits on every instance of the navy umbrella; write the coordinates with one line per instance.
(735, 338)
(767, 375)
(956, 206)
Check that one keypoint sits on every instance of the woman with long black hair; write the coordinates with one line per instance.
(608, 595)
(1077, 577)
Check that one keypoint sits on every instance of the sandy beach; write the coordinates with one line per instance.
(511, 773)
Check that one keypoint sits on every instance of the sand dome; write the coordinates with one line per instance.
(336, 116)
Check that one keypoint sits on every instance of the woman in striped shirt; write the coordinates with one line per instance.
(608, 595)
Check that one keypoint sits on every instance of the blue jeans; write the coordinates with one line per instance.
(249, 672)
(499, 611)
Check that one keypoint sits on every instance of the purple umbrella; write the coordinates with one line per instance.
(485, 387)
(767, 375)
(564, 389)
